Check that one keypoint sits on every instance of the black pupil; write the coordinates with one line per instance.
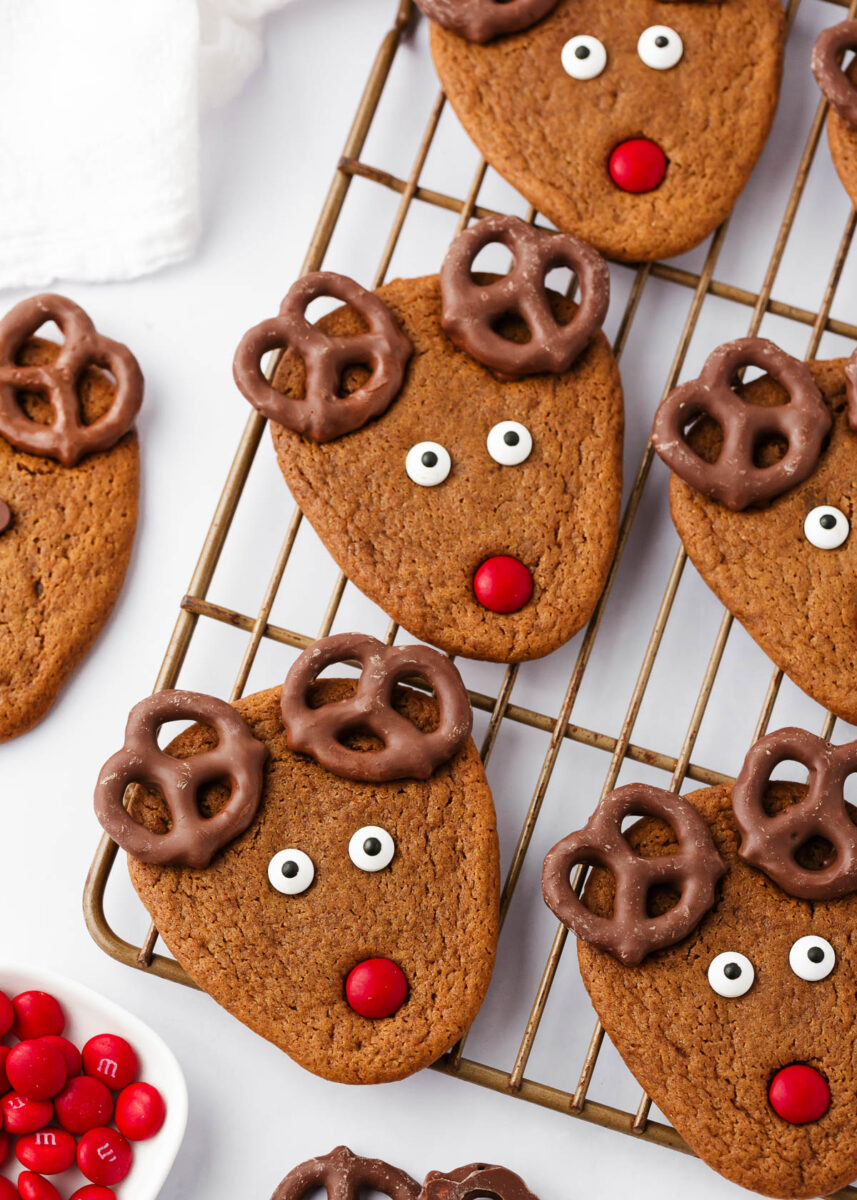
(827, 521)
(429, 458)
(661, 41)
(732, 970)
(511, 438)
(815, 954)
(582, 52)
(290, 869)
(372, 846)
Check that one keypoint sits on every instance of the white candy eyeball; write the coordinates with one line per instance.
(291, 872)
(812, 958)
(826, 527)
(731, 974)
(583, 57)
(428, 464)
(510, 443)
(371, 848)
(660, 47)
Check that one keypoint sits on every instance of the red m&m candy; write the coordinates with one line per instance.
(638, 165)
(4, 1148)
(104, 1156)
(37, 1014)
(33, 1187)
(68, 1050)
(50, 1151)
(83, 1104)
(36, 1069)
(5, 1085)
(109, 1058)
(91, 1191)
(8, 1191)
(7, 1014)
(140, 1111)
(376, 988)
(799, 1094)
(503, 584)
(25, 1116)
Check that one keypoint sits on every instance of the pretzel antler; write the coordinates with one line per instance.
(471, 309)
(771, 843)
(484, 20)
(827, 69)
(344, 1176)
(734, 479)
(408, 753)
(478, 1179)
(192, 840)
(631, 934)
(324, 414)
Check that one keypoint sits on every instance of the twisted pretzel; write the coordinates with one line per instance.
(772, 842)
(323, 414)
(67, 439)
(631, 934)
(734, 479)
(827, 69)
(471, 309)
(483, 20)
(193, 840)
(479, 1179)
(408, 753)
(344, 1176)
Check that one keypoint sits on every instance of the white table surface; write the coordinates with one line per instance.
(268, 160)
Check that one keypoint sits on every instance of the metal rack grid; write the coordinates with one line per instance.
(680, 767)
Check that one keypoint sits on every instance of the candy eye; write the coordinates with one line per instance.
(812, 958)
(510, 443)
(826, 527)
(660, 47)
(583, 57)
(428, 464)
(731, 974)
(371, 848)
(291, 872)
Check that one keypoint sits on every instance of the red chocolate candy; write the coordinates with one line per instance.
(109, 1058)
(4, 1148)
(104, 1156)
(637, 166)
(799, 1094)
(7, 1014)
(33, 1187)
(37, 1014)
(36, 1069)
(8, 1191)
(91, 1191)
(25, 1116)
(5, 1085)
(140, 1111)
(503, 584)
(50, 1151)
(70, 1052)
(376, 988)
(83, 1104)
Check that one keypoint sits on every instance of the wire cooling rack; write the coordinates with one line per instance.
(502, 713)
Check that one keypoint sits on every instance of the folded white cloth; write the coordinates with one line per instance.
(99, 143)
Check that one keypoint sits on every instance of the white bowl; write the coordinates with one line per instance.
(88, 1014)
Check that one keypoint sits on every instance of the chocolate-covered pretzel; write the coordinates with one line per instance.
(472, 309)
(324, 413)
(827, 53)
(851, 390)
(694, 870)
(734, 479)
(771, 843)
(193, 839)
(467, 1183)
(484, 20)
(344, 1176)
(67, 439)
(408, 753)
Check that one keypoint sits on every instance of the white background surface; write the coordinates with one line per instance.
(268, 160)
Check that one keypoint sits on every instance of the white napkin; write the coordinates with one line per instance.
(99, 140)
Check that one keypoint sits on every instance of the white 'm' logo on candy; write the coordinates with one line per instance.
(106, 1152)
(46, 1139)
(106, 1066)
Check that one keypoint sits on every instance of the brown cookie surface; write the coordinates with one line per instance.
(708, 1060)
(552, 135)
(796, 600)
(415, 550)
(63, 554)
(843, 144)
(279, 962)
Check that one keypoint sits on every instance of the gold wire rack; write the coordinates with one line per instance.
(500, 708)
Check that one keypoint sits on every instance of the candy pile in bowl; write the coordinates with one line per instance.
(63, 1106)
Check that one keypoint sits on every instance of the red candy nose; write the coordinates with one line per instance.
(376, 988)
(637, 165)
(502, 584)
(799, 1094)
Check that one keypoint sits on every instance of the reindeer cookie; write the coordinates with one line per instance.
(339, 898)
(69, 478)
(840, 88)
(468, 476)
(634, 123)
(717, 944)
(764, 509)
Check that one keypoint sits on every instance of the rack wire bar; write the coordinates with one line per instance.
(196, 605)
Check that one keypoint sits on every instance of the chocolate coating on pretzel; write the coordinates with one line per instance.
(478, 1179)
(324, 413)
(5, 516)
(344, 1176)
(484, 20)
(771, 843)
(408, 753)
(630, 934)
(67, 439)
(851, 390)
(734, 479)
(193, 840)
(827, 53)
(471, 309)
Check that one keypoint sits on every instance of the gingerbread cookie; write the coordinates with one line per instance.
(69, 480)
(634, 124)
(716, 940)
(321, 858)
(461, 457)
(764, 509)
(840, 88)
